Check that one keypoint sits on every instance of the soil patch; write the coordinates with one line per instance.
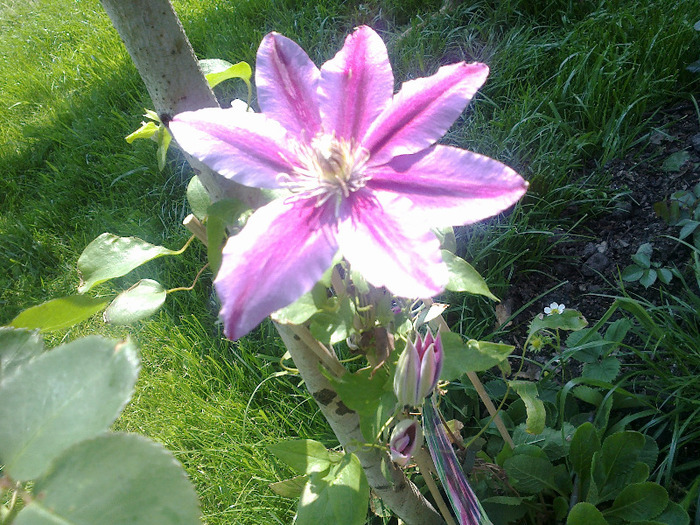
(589, 260)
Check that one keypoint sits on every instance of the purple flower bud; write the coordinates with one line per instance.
(418, 369)
(406, 438)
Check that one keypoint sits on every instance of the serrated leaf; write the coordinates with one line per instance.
(340, 496)
(198, 198)
(688, 228)
(305, 456)
(110, 256)
(61, 397)
(639, 501)
(138, 302)
(665, 275)
(554, 443)
(474, 356)
(648, 278)
(569, 320)
(113, 479)
(604, 370)
(533, 404)
(290, 488)
(17, 347)
(464, 278)
(58, 314)
(632, 273)
(675, 161)
(643, 256)
(584, 513)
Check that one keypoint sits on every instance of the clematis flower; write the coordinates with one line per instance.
(362, 172)
(418, 369)
(405, 439)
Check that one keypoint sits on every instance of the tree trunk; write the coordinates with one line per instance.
(163, 56)
(157, 43)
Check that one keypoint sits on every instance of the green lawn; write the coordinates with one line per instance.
(572, 85)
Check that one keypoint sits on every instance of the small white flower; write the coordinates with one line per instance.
(554, 308)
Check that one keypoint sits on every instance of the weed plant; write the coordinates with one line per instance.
(573, 85)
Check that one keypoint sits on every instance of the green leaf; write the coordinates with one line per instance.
(146, 131)
(62, 397)
(584, 513)
(665, 275)
(632, 273)
(604, 370)
(463, 277)
(688, 228)
(533, 404)
(675, 161)
(110, 256)
(305, 456)
(362, 390)
(615, 463)
(17, 347)
(222, 214)
(290, 488)
(554, 443)
(569, 320)
(164, 138)
(198, 198)
(58, 314)
(340, 496)
(113, 479)
(216, 71)
(530, 474)
(648, 278)
(138, 302)
(298, 312)
(584, 444)
(474, 356)
(643, 255)
(372, 423)
(673, 514)
(639, 501)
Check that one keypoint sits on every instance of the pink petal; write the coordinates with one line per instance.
(287, 81)
(422, 111)
(380, 240)
(450, 186)
(355, 85)
(281, 253)
(249, 148)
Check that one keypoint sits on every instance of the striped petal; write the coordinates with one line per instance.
(281, 253)
(287, 81)
(450, 186)
(248, 148)
(379, 239)
(355, 85)
(422, 111)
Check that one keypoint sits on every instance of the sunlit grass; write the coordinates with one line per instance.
(572, 86)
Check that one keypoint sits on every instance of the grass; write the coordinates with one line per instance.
(573, 85)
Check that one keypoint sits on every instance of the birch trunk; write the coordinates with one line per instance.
(159, 48)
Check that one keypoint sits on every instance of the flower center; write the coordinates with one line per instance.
(327, 168)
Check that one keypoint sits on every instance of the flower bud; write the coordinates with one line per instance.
(406, 438)
(418, 369)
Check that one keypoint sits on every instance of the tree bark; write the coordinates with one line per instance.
(399, 494)
(159, 48)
